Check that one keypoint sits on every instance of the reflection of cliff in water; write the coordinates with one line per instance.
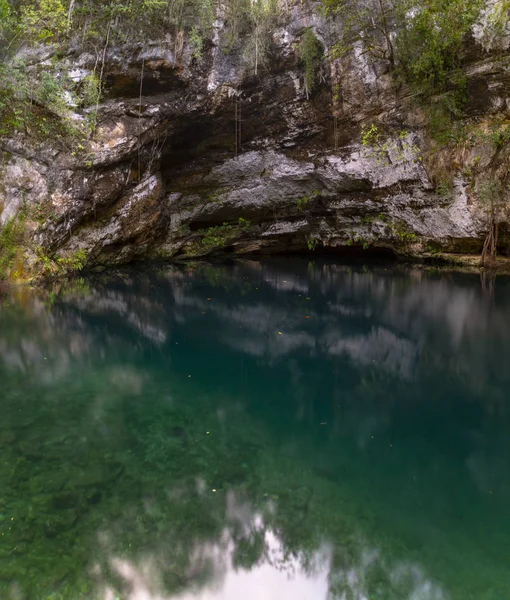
(175, 433)
(379, 316)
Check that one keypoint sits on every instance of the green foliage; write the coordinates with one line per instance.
(370, 136)
(497, 135)
(359, 239)
(403, 234)
(45, 21)
(310, 52)
(58, 266)
(259, 19)
(14, 94)
(196, 42)
(365, 22)
(76, 261)
(433, 248)
(214, 197)
(305, 201)
(35, 104)
(395, 150)
(430, 37)
(5, 21)
(215, 236)
(218, 236)
(445, 188)
(440, 123)
(5, 13)
(91, 90)
(312, 242)
(244, 224)
(11, 240)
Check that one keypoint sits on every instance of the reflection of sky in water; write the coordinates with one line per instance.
(277, 576)
(276, 579)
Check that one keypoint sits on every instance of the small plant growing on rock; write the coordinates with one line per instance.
(215, 236)
(433, 248)
(305, 201)
(184, 229)
(403, 233)
(213, 197)
(244, 224)
(395, 150)
(53, 266)
(312, 242)
(445, 189)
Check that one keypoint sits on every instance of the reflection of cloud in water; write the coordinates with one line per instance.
(272, 346)
(213, 571)
(289, 284)
(278, 578)
(380, 346)
(356, 581)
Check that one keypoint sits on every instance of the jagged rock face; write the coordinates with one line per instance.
(209, 144)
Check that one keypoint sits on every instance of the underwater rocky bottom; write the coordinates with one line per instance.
(285, 429)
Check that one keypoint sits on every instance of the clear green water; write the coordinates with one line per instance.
(283, 430)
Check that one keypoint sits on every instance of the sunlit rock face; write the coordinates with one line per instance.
(163, 168)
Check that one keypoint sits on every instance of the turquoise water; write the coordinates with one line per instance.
(287, 430)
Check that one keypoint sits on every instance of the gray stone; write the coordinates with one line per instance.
(163, 167)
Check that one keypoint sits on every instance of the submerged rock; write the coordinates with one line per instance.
(60, 522)
(66, 500)
(7, 438)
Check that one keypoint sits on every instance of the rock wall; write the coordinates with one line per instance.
(211, 158)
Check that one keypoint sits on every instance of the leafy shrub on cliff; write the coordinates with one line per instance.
(259, 20)
(59, 266)
(5, 20)
(396, 150)
(44, 21)
(11, 238)
(14, 94)
(366, 22)
(310, 52)
(429, 35)
(35, 103)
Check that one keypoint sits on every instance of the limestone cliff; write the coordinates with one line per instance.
(192, 157)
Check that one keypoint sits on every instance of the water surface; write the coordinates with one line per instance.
(282, 430)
